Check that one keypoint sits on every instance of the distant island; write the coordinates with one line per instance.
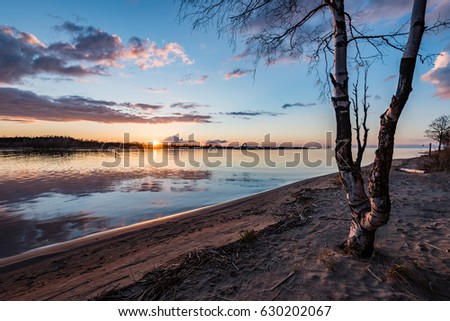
(60, 143)
(44, 143)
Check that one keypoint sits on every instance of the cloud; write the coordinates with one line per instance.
(90, 51)
(248, 113)
(188, 80)
(376, 10)
(237, 73)
(372, 11)
(297, 105)
(89, 44)
(202, 79)
(19, 105)
(186, 118)
(243, 55)
(157, 90)
(22, 54)
(147, 54)
(389, 78)
(377, 97)
(142, 106)
(94, 44)
(440, 9)
(187, 105)
(439, 75)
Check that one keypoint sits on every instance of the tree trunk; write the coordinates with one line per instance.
(361, 237)
(349, 173)
(369, 214)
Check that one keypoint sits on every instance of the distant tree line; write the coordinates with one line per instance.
(61, 142)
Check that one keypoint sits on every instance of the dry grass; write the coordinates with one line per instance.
(336, 180)
(248, 236)
(407, 278)
(438, 162)
(161, 283)
(327, 258)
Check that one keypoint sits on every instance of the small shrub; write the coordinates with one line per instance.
(437, 162)
(248, 236)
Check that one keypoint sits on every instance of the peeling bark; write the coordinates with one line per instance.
(369, 213)
(349, 173)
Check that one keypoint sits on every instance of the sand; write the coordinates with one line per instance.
(293, 253)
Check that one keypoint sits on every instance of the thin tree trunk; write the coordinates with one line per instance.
(349, 173)
(360, 240)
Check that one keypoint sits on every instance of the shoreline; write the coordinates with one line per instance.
(207, 227)
(414, 238)
(63, 246)
(90, 239)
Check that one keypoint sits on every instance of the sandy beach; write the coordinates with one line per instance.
(282, 244)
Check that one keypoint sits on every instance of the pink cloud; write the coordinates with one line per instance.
(236, 73)
(439, 75)
(91, 51)
(148, 55)
(188, 80)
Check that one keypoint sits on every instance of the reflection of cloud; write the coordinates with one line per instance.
(298, 105)
(18, 105)
(77, 183)
(18, 234)
(439, 76)
(187, 188)
(237, 73)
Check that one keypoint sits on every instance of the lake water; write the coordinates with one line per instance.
(51, 198)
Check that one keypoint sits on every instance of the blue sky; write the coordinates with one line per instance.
(98, 69)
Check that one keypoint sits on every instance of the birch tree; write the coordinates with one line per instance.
(316, 29)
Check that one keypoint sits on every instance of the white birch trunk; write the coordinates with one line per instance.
(369, 214)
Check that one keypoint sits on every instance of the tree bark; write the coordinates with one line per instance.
(369, 213)
(361, 237)
(349, 173)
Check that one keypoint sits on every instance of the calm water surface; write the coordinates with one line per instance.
(51, 198)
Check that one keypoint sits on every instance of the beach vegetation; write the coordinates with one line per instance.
(248, 236)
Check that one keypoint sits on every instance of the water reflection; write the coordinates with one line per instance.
(50, 198)
(18, 234)
(72, 182)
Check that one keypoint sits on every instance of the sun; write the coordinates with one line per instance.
(156, 143)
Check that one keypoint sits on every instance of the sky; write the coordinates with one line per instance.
(99, 69)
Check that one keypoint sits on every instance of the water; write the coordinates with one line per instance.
(51, 198)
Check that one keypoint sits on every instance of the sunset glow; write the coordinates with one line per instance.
(149, 75)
